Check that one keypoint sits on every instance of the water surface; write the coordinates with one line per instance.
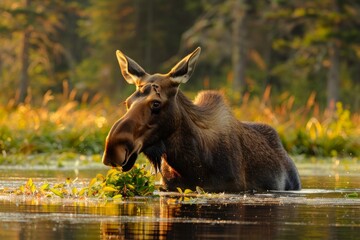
(325, 209)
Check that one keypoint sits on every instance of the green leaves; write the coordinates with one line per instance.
(116, 184)
(57, 192)
(136, 182)
(185, 192)
(331, 136)
(69, 128)
(352, 195)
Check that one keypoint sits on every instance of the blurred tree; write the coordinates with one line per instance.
(33, 25)
(106, 25)
(232, 34)
(318, 37)
(239, 43)
(247, 45)
(287, 44)
(24, 61)
(74, 47)
(146, 30)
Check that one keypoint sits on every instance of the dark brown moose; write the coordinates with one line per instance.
(194, 143)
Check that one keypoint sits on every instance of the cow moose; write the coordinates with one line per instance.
(194, 143)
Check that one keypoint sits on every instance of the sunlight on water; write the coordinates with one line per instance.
(327, 207)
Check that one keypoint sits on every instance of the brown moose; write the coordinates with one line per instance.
(197, 143)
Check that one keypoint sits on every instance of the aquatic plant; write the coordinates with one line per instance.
(352, 195)
(116, 184)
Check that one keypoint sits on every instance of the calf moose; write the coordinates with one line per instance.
(195, 143)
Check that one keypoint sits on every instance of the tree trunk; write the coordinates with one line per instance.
(333, 78)
(24, 63)
(357, 87)
(149, 34)
(239, 45)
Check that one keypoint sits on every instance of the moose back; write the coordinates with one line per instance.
(194, 143)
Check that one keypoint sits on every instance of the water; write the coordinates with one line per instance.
(322, 210)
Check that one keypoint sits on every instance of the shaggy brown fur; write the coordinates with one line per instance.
(197, 143)
(220, 153)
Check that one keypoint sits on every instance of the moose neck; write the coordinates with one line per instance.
(198, 127)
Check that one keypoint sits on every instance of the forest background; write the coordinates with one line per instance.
(292, 64)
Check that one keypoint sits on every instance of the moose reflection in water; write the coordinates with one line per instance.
(197, 143)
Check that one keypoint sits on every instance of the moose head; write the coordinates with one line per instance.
(151, 111)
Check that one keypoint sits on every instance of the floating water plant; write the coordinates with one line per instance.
(116, 184)
(352, 195)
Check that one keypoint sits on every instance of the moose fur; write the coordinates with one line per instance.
(195, 143)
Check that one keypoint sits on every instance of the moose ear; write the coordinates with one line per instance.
(183, 70)
(131, 71)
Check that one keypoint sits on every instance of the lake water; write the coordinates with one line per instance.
(326, 208)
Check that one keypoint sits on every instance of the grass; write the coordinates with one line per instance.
(71, 127)
(63, 124)
(306, 130)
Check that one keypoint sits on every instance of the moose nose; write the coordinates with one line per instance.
(105, 160)
(120, 141)
(114, 161)
(115, 157)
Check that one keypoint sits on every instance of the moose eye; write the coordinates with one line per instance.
(155, 106)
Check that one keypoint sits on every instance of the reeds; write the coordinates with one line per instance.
(79, 124)
(306, 130)
(73, 125)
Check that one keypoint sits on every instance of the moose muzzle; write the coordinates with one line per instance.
(121, 149)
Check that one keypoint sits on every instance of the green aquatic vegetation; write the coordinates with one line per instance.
(352, 195)
(116, 184)
(187, 191)
(65, 189)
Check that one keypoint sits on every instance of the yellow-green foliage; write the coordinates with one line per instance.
(72, 127)
(116, 184)
(307, 130)
(66, 125)
(333, 136)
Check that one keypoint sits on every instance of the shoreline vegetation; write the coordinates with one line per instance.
(64, 133)
(64, 124)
